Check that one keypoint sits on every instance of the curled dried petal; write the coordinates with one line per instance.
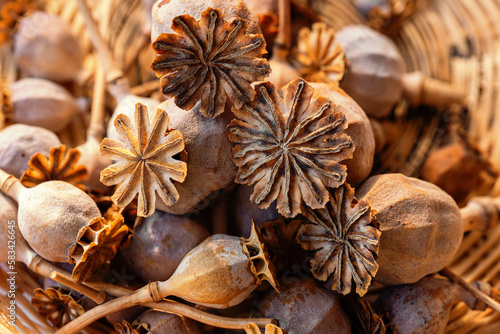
(209, 60)
(60, 165)
(346, 239)
(389, 20)
(146, 163)
(290, 148)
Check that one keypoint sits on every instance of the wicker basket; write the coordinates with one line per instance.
(452, 40)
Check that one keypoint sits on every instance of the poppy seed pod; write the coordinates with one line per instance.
(45, 47)
(421, 227)
(165, 11)
(220, 272)
(19, 142)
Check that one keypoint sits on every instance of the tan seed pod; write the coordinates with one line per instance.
(290, 146)
(145, 160)
(165, 11)
(50, 215)
(359, 129)
(45, 47)
(421, 227)
(372, 58)
(19, 142)
(209, 61)
(303, 306)
(40, 102)
(205, 276)
(210, 169)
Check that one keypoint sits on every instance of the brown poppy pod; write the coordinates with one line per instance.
(165, 11)
(375, 69)
(19, 142)
(359, 129)
(45, 47)
(420, 223)
(43, 103)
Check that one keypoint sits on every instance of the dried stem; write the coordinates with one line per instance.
(97, 296)
(480, 214)
(96, 130)
(144, 296)
(419, 89)
(208, 318)
(10, 185)
(473, 290)
(282, 42)
(114, 75)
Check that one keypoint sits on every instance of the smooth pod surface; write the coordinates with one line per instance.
(420, 223)
(359, 129)
(40, 102)
(160, 243)
(18, 142)
(50, 216)
(375, 69)
(165, 11)
(210, 168)
(45, 47)
(166, 323)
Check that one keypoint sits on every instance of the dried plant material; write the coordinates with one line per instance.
(317, 56)
(365, 319)
(290, 147)
(279, 238)
(269, 25)
(208, 61)
(59, 165)
(96, 244)
(389, 19)
(146, 161)
(421, 227)
(126, 328)
(10, 13)
(254, 329)
(56, 305)
(7, 112)
(346, 239)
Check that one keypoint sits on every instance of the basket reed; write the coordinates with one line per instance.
(452, 40)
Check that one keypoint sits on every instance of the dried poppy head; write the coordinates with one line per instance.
(208, 61)
(290, 146)
(374, 75)
(346, 239)
(146, 163)
(40, 102)
(390, 18)
(211, 170)
(359, 129)
(19, 142)
(45, 47)
(60, 165)
(424, 307)
(159, 244)
(165, 11)
(318, 56)
(303, 306)
(96, 244)
(421, 227)
(56, 305)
